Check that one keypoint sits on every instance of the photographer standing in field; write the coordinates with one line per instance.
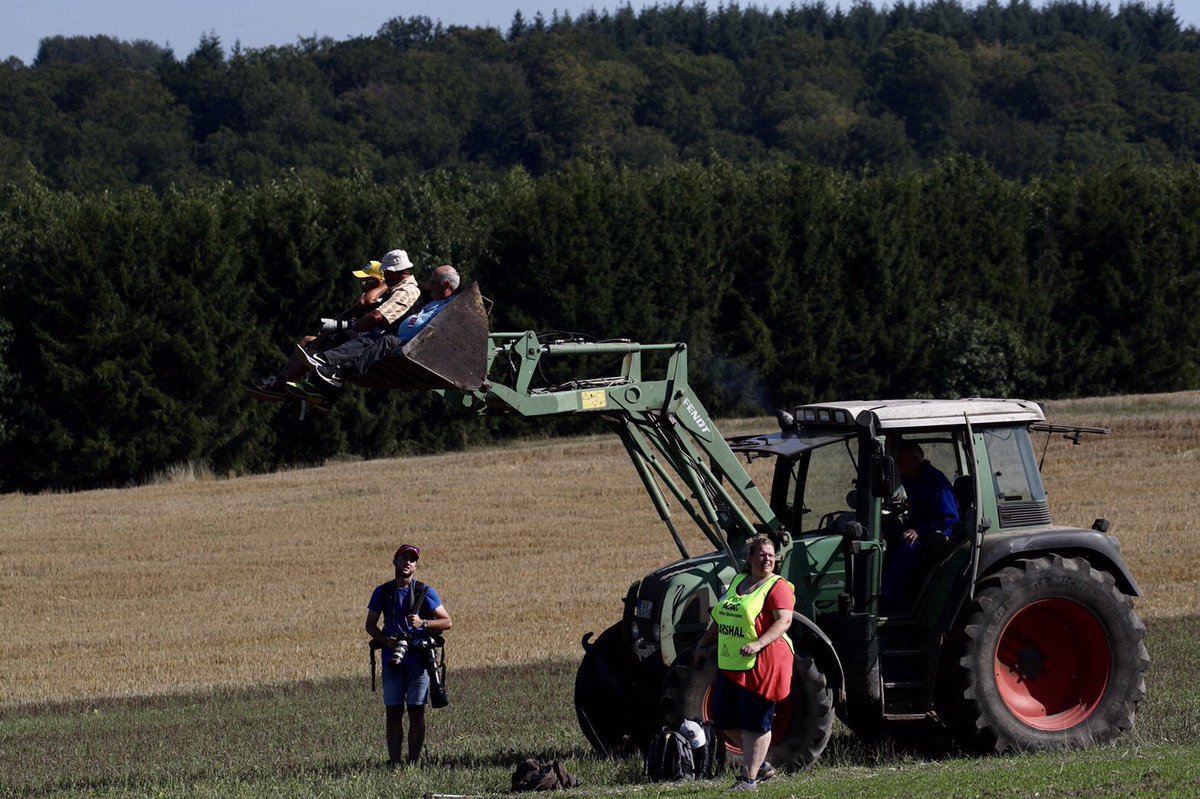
(413, 614)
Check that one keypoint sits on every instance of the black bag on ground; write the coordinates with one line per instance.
(547, 776)
(669, 757)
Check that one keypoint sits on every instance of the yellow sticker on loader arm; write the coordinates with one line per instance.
(591, 400)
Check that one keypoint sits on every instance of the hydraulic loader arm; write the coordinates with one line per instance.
(669, 435)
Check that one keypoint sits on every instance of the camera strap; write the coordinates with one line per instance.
(416, 595)
(419, 590)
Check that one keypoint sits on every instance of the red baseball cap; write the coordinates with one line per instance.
(407, 549)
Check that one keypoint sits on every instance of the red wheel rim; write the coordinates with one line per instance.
(1053, 663)
(779, 727)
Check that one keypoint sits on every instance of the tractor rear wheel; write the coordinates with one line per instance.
(803, 723)
(610, 714)
(1051, 655)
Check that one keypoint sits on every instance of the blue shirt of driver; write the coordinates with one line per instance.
(932, 505)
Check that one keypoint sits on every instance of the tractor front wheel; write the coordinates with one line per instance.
(1051, 655)
(611, 715)
(803, 722)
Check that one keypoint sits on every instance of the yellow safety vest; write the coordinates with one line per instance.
(735, 616)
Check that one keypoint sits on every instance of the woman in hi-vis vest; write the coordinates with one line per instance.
(754, 657)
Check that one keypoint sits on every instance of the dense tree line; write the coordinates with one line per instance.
(919, 200)
(1024, 88)
(130, 320)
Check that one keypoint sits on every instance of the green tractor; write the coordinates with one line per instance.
(1019, 635)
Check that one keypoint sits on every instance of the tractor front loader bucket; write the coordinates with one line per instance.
(449, 353)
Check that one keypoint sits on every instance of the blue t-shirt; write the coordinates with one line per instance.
(415, 323)
(396, 607)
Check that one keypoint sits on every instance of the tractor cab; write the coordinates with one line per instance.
(836, 477)
(887, 605)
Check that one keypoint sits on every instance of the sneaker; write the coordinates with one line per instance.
(328, 375)
(314, 358)
(310, 393)
(765, 772)
(744, 784)
(267, 389)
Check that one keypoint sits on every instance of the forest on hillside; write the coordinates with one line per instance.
(1026, 89)
(130, 323)
(926, 200)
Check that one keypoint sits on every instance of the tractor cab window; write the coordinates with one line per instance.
(1020, 497)
(819, 485)
(947, 452)
(947, 455)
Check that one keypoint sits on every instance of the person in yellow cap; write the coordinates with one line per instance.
(754, 657)
(372, 271)
(373, 285)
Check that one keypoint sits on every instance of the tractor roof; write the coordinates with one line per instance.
(921, 412)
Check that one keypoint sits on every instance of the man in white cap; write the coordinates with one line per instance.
(402, 294)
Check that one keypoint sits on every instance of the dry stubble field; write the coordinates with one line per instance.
(265, 579)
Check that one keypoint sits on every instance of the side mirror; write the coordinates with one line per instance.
(884, 477)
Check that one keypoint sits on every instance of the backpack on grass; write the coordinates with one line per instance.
(671, 757)
(533, 775)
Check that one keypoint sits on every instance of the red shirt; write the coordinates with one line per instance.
(771, 677)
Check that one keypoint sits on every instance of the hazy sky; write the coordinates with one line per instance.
(258, 23)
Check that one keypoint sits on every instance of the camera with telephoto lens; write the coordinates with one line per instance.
(427, 647)
(398, 652)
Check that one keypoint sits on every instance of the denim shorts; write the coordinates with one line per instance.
(406, 685)
(738, 708)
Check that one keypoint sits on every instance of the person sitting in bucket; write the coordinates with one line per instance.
(324, 384)
(380, 310)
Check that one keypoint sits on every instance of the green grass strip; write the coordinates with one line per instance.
(325, 739)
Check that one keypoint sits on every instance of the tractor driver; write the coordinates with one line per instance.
(932, 511)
